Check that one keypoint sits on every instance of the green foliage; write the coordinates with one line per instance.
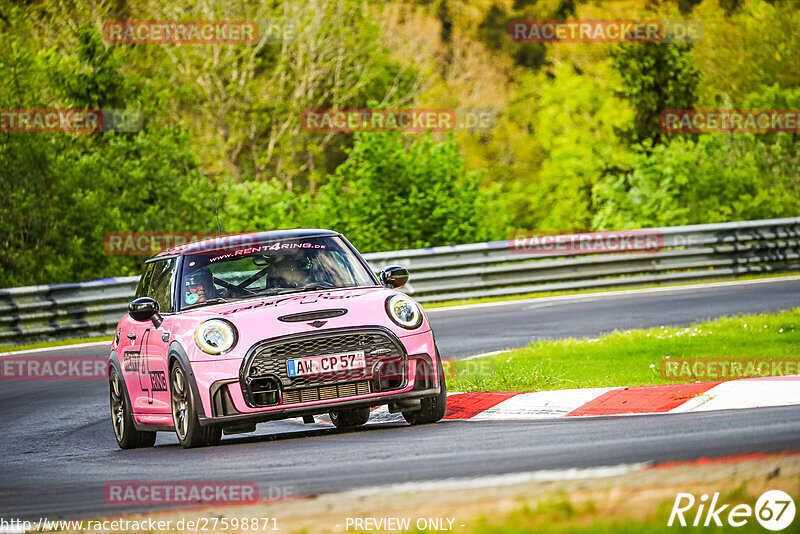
(242, 104)
(717, 178)
(148, 181)
(391, 196)
(261, 205)
(91, 77)
(746, 44)
(656, 77)
(578, 127)
(62, 192)
(576, 142)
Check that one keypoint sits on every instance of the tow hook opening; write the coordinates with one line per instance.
(388, 374)
(265, 391)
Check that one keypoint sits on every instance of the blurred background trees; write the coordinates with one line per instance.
(576, 143)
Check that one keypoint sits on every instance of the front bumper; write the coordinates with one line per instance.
(227, 398)
(320, 408)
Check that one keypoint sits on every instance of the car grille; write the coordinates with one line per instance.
(312, 394)
(271, 358)
(268, 359)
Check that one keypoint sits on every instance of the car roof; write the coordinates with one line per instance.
(242, 240)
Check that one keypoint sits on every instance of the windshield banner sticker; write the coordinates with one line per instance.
(274, 247)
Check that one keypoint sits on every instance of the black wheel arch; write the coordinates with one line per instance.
(176, 353)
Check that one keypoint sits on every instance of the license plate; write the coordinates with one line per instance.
(330, 363)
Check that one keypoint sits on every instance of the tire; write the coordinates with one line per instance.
(350, 419)
(188, 429)
(122, 417)
(433, 408)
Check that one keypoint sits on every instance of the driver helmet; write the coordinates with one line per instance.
(199, 286)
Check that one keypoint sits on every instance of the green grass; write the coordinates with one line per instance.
(447, 304)
(627, 358)
(57, 343)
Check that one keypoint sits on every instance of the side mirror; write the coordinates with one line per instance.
(145, 309)
(394, 276)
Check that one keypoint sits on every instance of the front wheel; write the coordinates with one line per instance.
(433, 408)
(184, 414)
(350, 419)
(122, 418)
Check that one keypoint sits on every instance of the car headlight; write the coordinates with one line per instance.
(215, 336)
(404, 311)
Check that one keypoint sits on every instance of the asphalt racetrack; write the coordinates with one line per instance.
(58, 451)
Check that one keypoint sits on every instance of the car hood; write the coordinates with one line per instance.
(259, 319)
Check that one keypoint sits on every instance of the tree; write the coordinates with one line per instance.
(61, 192)
(389, 195)
(656, 77)
(579, 126)
(752, 45)
(242, 104)
(717, 178)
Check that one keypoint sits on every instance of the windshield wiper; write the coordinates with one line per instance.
(309, 287)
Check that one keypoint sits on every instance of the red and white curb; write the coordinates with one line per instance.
(658, 399)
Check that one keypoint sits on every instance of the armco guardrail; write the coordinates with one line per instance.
(60, 311)
(685, 253)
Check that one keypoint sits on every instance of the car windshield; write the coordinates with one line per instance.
(270, 268)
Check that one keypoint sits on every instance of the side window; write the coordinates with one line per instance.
(144, 281)
(160, 286)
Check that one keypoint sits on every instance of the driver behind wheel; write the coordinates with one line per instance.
(199, 286)
(286, 273)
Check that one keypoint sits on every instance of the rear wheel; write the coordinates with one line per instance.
(433, 408)
(184, 413)
(350, 419)
(122, 417)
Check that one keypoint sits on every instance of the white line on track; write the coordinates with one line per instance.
(584, 296)
(485, 354)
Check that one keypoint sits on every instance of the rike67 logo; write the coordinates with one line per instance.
(774, 510)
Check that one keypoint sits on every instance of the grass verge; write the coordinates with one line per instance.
(627, 358)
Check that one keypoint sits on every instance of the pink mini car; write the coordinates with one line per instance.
(229, 332)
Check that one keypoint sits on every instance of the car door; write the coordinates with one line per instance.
(153, 374)
(131, 348)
